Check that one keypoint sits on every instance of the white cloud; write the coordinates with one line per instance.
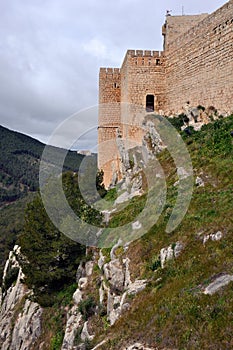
(96, 48)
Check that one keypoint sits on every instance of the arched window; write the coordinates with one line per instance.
(150, 103)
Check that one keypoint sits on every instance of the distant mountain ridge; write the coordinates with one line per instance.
(19, 164)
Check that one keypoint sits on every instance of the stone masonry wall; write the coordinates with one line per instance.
(109, 121)
(200, 64)
(178, 25)
(142, 74)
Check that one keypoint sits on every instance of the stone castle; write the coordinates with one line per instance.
(195, 66)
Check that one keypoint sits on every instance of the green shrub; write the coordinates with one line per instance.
(87, 307)
(10, 277)
(56, 341)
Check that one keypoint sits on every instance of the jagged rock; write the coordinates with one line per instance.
(170, 252)
(136, 225)
(136, 184)
(118, 276)
(112, 252)
(115, 275)
(82, 283)
(132, 186)
(178, 249)
(216, 236)
(27, 326)
(85, 334)
(213, 237)
(107, 214)
(113, 307)
(27, 322)
(77, 296)
(101, 260)
(11, 261)
(102, 290)
(165, 255)
(74, 320)
(100, 344)
(195, 117)
(138, 346)
(126, 262)
(80, 272)
(124, 154)
(218, 283)
(101, 294)
(152, 139)
(124, 197)
(116, 303)
(136, 286)
(89, 268)
(199, 182)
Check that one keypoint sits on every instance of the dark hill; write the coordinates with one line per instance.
(19, 164)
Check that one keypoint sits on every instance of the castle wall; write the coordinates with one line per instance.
(178, 25)
(200, 64)
(196, 66)
(109, 121)
(142, 73)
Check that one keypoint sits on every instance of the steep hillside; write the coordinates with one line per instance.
(162, 291)
(187, 303)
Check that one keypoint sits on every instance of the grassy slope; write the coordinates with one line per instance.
(172, 312)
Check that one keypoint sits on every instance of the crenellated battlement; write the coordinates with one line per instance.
(104, 72)
(145, 53)
(143, 58)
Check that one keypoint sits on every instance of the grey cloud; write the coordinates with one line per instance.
(51, 51)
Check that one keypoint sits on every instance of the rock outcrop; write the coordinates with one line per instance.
(218, 283)
(138, 346)
(213, 237)
(171, 252)
(20, 318)
(116, 274)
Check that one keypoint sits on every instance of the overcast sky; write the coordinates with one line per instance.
(51, 51)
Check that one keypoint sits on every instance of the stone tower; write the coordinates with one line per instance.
(196, 66)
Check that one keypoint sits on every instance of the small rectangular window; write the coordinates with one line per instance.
(150, 101)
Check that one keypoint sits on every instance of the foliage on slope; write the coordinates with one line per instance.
(173, 312)
(51, 258)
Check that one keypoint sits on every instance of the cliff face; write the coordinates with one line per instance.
(20, 318)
